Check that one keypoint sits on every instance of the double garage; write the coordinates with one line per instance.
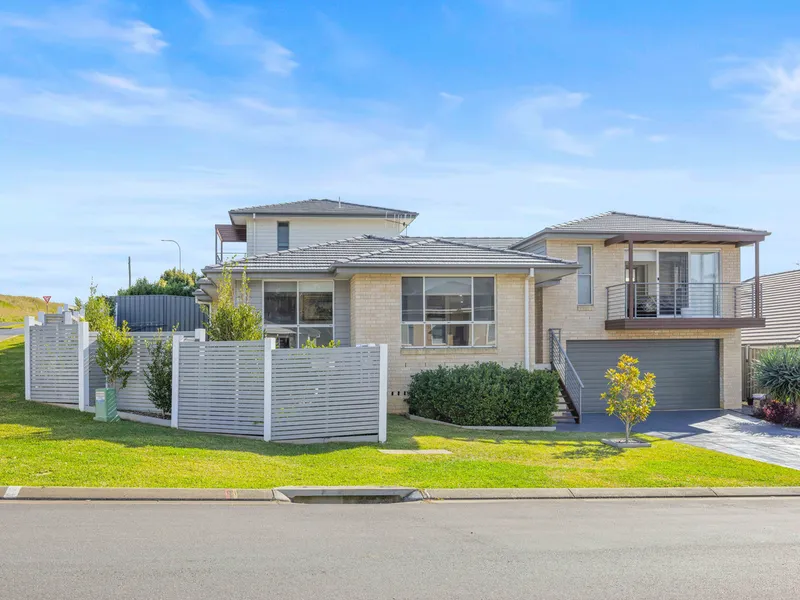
(687, 371)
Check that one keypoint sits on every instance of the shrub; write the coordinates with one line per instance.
(172, 282)
(98, 311)
(114, 349)
(485, 394)
(778, 371)
(629, 396)
(158, 374)
(777, 412)
(312, 343)
(229, 321)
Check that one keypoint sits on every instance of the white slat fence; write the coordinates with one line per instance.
(314, 395)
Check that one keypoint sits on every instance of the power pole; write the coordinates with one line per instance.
(129, 271)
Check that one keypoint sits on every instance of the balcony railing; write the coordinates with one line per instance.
(682, 301)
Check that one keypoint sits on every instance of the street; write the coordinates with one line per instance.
(620, 549)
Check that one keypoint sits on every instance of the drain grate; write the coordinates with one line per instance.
(355, 495)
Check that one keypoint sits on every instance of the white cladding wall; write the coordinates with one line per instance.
(262, 232)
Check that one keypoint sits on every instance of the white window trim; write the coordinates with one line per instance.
(590, 275)
(471, 323)
(298, 325)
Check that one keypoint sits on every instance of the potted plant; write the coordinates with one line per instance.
(630, 397)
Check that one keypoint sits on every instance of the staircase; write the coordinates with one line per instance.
(570, 397)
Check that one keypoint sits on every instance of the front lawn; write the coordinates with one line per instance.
(44, 445)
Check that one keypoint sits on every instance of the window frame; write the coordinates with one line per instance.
(278, 236)
(590, 275)
(297, 326)
(471, 323)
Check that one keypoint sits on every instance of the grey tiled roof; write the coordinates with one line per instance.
(322, 207)
(491, 242)
(781, 309)
(435, 252)
(618, 222)
(377, 251)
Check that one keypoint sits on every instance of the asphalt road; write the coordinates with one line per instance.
(738, 548)
(7, 333)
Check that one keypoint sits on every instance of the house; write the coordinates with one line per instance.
(781, 309)
(573, 296)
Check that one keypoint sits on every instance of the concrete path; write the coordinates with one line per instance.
(693, 549)
(724, 431)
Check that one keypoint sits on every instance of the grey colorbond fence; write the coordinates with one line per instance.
(151, 313)
(134, 395)
(220, 387)
(310, 394)
(325, 393)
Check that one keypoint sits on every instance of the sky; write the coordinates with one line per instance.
(123, 123)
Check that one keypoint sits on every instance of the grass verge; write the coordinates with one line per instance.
(51, 446)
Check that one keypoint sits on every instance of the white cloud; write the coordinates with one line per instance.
(232, 28)
(528, 117)
(123, 84)
(277, 59)
(615, 132)
(657, 139)
(769, 88)
(201, 8)
(88, 24)
(451, 101)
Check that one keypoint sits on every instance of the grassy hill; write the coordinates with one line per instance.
(14, 308)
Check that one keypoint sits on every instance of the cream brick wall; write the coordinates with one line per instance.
(375, 304)
(561, 311)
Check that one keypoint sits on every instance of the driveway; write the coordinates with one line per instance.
(724, 431)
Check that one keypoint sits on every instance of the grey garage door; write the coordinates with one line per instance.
(687, 371)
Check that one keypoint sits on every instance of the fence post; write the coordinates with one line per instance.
(383, 392)
(200, 335)
(40, 317)
(176, 355)
(29, 321)
(269, 346)
(83, 371)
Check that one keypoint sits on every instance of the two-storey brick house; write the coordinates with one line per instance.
(567, 297)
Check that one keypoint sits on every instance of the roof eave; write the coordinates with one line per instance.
(739, 239)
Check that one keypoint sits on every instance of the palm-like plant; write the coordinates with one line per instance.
(778, 372)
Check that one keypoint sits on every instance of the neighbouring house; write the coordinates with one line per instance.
(781, 309)
(572, 297)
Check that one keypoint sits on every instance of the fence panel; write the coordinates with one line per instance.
(54, 368)
(134, 395)
(325, 393)
(221, 387)
(151, 313)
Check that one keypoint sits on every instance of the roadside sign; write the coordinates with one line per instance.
(46, 303)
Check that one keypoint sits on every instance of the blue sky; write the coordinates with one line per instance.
(125, 122)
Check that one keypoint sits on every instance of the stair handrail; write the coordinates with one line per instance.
(566, 371)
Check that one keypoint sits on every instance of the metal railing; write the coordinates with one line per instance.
(566, 372)
(681, 300)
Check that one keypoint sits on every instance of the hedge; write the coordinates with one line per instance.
(485, 394)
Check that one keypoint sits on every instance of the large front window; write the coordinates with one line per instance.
(295, 311)
(448, 311)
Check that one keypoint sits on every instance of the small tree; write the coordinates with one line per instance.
(114, 349)
(630, 397)
(229, 321)
(158, 374)
(778, 372)
(98, 311)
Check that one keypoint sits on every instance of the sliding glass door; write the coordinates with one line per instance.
(673, 275)
(703, 288)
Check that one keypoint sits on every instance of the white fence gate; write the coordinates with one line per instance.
(51, 362)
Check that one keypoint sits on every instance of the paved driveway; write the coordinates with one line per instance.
(724, 431)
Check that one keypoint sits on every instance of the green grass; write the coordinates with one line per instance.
(13, 309)
(44, 445)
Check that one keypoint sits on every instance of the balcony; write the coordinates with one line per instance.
(643, 305)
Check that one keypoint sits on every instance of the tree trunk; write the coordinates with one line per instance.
(627, 431)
